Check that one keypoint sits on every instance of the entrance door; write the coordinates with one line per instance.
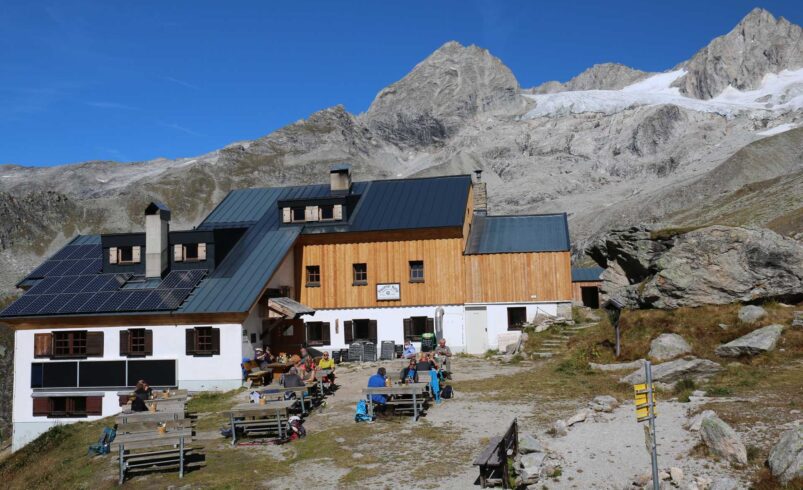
(590, 296)
(476, 329)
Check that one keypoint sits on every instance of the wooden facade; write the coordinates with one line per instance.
(518, 277)
(577, 293)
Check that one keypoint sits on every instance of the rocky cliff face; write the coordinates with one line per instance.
(758, 45)
(604, 76)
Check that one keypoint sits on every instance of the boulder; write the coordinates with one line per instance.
(725, 483)
(620, 366)
(529, 444)
(668, 346)
(603, 403)
(676, 474)
(674, 371)
(580, 416)
(754, 343)
(646, 267)
(723, 441)
(751, 313)
(559, 428)
(697, 421)
(786, 457)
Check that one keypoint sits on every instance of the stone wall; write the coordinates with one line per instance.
(6, 380)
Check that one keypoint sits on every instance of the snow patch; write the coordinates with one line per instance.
(778, 93)
(781, 128)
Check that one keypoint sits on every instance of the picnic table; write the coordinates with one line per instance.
(278, 369)
(415, 404)
(258, 376)
(127, 417)
(164, 405)
(270, 418)
(302, 392)
(166, 448)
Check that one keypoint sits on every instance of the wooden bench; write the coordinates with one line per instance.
(127, 417)
(152, 449)
(414, 404)
(493, 460)
(269, 419)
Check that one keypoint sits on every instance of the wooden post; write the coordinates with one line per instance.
(122, 464)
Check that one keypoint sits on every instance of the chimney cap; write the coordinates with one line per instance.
(156, 207)
(340, 168)
(478, 174)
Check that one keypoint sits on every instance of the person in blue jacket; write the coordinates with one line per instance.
(378, 381)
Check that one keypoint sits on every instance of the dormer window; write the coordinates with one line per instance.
(327, 212)
(189, 252)
(299, 214)
(125, 255)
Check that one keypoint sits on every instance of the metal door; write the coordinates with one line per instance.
(476, 329)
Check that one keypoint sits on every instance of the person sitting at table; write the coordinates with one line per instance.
(263, 357)
(425, 363)
(409, 350)
(292, 379)
(143, 391)
(445, 355)
(327, 367)
(304, 354)
(378, 381)
(410, 373)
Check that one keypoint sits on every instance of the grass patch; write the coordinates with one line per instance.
(668, 233)
(683, 389)
(718, 391)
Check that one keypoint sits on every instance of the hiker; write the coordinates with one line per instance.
(263, 357)
(425, 363)
(327, 367)
(292, 379)
(410, 374)
(444, 354)
(143, 390)
(409, 350)
(378, 381)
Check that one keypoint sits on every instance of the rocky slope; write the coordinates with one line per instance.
(613, 146)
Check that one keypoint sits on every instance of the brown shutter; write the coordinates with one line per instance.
(94, 343)
(348, 331)
(430, 325)
(178, 252)
(215, 341)
(148, 342)
(124, 342)
(372, 331)
(42, 345)
(113, 255)
(94, 405)
(190, 348)
(201, 251)
(408, 328)
(41, 406)
(325, 336)
(136, 254)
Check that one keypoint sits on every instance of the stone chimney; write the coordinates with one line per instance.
(480, 195)
(340, 178)
(157, 226)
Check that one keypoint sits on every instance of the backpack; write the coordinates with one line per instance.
(447, 392)
(435, 385)
(103, 446)
(362, 412)
(297, 430)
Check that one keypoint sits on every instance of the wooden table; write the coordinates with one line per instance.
(273, 414)
(150, 440)
(300, 391)
(278, 369)
(128, 417)
(258, 375)
(415, 389)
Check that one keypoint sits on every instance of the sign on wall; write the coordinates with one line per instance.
(388, 292)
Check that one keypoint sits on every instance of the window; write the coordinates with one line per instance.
(191, 251)
(327, 212)
(203, 341)
(360, 330)
(516, 317)
(67, 406)
(125, 255)
(136, 342)
(360, 274)
(67, 344)
(299, 214)
(313, 276)
(318, 333)
(415, 327)
(416, 271)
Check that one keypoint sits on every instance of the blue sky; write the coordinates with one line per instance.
(129, 81)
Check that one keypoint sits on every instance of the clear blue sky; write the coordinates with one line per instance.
(133, 81)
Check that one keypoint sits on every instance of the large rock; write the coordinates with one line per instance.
(786, 457)
(619, 366)
(668, 346)
(751, 313)
(756, 342)
(713, 265)
(603, 403)
(674, 371)
(725, 483)
(697, 421)
(723, 441)
(529, 444)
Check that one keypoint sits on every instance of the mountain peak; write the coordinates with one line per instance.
(759, 44)
(602, 76)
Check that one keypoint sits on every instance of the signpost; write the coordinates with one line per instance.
(614, 309)
(645, 411)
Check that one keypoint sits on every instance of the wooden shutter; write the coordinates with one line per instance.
(287, 215)
(94, 405)
(113, 255)
(148, 342)
(136, 254)
(178, 252)
(408, 328)
(337, 212)
(372, 331)
(42, 345)
(430, 325)
(94, 343)
(348, 331)
(201, 251)
(190, 348)
(41, 406)
(125, 336)
(325, 335)
(215, 341)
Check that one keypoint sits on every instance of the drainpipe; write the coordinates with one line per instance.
(439, 323)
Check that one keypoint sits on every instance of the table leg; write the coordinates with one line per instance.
(279, 425)
(303, 406)
(415, 408)
(181, 458)
(122, 467)
(233, 430)
(371, 407)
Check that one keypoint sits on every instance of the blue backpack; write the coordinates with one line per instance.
(103, 446)
(435, 385)
(362, 412)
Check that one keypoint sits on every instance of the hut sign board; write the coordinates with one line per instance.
(388, 292)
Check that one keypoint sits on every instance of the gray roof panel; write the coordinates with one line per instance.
(587, 274)
(518, 234)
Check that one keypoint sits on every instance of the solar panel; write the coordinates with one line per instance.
(175, 298)
(94, 266)
(54, 306)
(42, 286)
(62, 285)
(154, 301)
(95, 302)
(134, 300)
(64, 252)
(81, 252)
(114, 301)
(190, 279)
(37, 304)
(43, 270)
(17, 306)
(170, 280)
(96, 283)
(78, 267)
(74, 304)
(60, 268)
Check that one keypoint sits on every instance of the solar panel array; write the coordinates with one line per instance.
(102, 293)
(72, 260)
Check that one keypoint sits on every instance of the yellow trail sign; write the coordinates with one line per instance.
(643, 402)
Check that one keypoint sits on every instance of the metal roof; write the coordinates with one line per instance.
(518, 234)
(587, 274)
